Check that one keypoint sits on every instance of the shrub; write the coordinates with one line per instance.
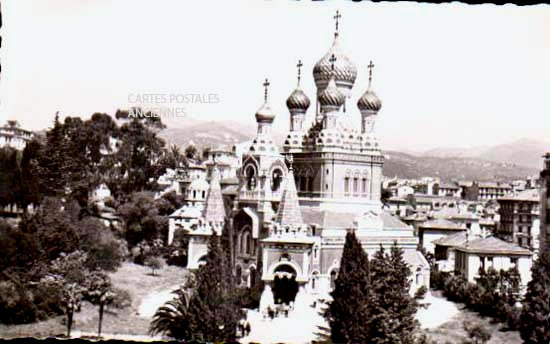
(122, 298)
(154, 263)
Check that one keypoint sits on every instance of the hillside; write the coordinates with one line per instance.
(212, 134)
(524, 152)
(404, 165)
(408, 166)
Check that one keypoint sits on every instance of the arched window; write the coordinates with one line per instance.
(239, 273)
(250, 178)
(276, 179)
(203, 194)
(333, 275)
(244, 242)
(355, 186)
(346, 186)
(303, 183)
(314, 278)
(194, 194)
(310, 184)
(252, 276)
(364, 186)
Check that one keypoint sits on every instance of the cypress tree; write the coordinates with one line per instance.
(391, 307)
(214, 315)
(53, 161)
(534, 324)
(348, 310)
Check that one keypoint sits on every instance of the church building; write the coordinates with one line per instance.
(295, 206)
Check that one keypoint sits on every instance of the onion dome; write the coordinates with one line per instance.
(344, 71)
(265, 114)
(369, 101)
(298, 100)
(331, 95)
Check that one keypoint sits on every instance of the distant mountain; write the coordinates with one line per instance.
(452, 168)
(212, 134)
(524, 152)
(455, 152)
(447, 164)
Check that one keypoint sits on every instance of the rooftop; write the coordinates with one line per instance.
(531, 195)
(442, 224)
(492, 245)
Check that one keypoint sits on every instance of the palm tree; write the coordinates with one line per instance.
(100, 292)
(172, 319)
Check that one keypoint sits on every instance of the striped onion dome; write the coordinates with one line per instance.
(344, 72)
(331, 95)
(369, 101)
(298, 100)
(265, 114)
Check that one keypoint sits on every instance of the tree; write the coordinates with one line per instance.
(535, 315)
(391, 307)
(347, 319)
(141, 219)
(53, 163)
(207, 309)
(173, 317)
(154, 263)
(100, 292)
(478, 333)
(191, 152)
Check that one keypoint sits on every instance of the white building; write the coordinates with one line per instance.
(483, 253)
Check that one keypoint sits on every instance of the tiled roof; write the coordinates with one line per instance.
(289, 212)
(230, 190)
(492, 245)
(448, 186)
(214, 209)
(442, 224)
(493, 185)
(451, 240)
(336, 220)
(232, 180)
(532, 195)
(187, 212)
(416, 217)
(392, 221)
(453, 213)
(328, 219)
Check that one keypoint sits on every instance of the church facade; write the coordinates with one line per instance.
(295, 206)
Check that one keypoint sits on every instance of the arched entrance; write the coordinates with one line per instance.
(285, 286)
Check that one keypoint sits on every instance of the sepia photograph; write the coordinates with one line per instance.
(263, 171)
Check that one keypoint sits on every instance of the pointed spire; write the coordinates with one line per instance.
(214, 209)
(289, 210)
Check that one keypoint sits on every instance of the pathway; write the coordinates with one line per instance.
(301, 326)
(154, 300)
(439, 311)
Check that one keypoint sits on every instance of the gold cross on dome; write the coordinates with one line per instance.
(299, 65)
(370, 67)
(336, 17)
(266, 85)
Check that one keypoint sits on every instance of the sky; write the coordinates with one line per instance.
(449, 75)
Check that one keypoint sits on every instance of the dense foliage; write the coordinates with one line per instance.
(382, 310)
(535, 315)
(495, 294)
(391, 307)
(347, 319)
(207, 308)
